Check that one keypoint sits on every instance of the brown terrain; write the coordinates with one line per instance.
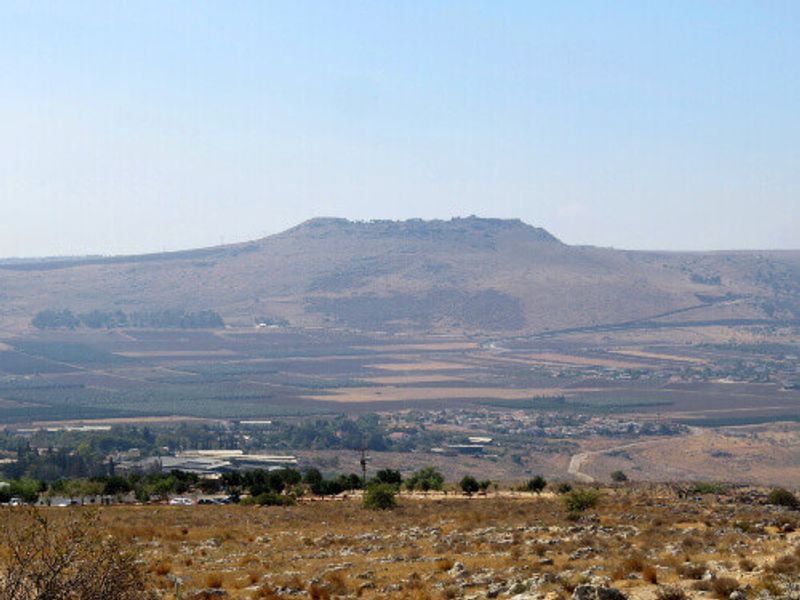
(464, 275)
(643, 541)
(463, 315)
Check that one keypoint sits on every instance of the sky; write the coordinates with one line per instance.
(130, 127)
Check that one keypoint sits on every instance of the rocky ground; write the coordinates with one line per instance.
(643, 542)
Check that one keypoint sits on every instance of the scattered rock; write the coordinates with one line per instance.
(593, 592)
(457, 570)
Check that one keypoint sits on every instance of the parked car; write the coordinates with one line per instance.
(181, 501)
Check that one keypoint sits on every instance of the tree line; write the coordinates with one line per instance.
(260, 486)
(155, 319)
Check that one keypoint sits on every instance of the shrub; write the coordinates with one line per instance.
(786, 565)
(214, 580)
(563, 488)
(747, 565)
(580, 500)
(619, 477)
(444, 564)
(650, 574)
(537, 484)
(74, 555)
(691, 571)
(783, 497)
(317, 592)
(723, 587)
(162, 568)
(380, 497)
(633, 564)
(707, 487)
(670, 592)
(272, 499)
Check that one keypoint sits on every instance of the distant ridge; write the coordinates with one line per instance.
(470, 274)
(452, 228)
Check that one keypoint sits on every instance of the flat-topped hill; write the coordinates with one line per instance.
(466, 274)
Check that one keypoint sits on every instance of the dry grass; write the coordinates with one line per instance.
(329, 549)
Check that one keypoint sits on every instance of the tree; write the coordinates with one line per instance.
(537, 484)
(427, 478)
(209, 486)
(469, 485)
(484, 485)
(619, 477)
(380, 496)
(55, 319)
(115, 485)
(72, 559)
(313, 479)
(389, 476)
(26, 489)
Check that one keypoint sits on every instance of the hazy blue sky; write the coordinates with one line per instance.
(136, 126)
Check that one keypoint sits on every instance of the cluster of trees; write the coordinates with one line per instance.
(426, 479)
(73, 454)
(84, 453)
(469, 485)
(263, 487)
(340, 433)
(144, 487)
(345, 433)
(99, 319)
(54, 463)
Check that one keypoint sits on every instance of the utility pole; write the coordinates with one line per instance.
(364, 466)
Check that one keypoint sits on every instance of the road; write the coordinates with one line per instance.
(577, 461)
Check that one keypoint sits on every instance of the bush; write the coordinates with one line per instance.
(650, 574)
(707, 487)
(580, 500)
(380, 497)
(273, 499)
(783, 497)
(786, 565)
(723, 587)
(691, 571)
(537, 484)
(73, 559)
(214, 580)
(563, 488)
(619, 477)
(469, 485)
(670, 592)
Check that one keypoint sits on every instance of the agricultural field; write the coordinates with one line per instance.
(443, 390)
(239, 374)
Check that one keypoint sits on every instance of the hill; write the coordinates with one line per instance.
(470, 275)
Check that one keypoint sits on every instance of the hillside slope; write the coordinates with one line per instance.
(472, 274)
